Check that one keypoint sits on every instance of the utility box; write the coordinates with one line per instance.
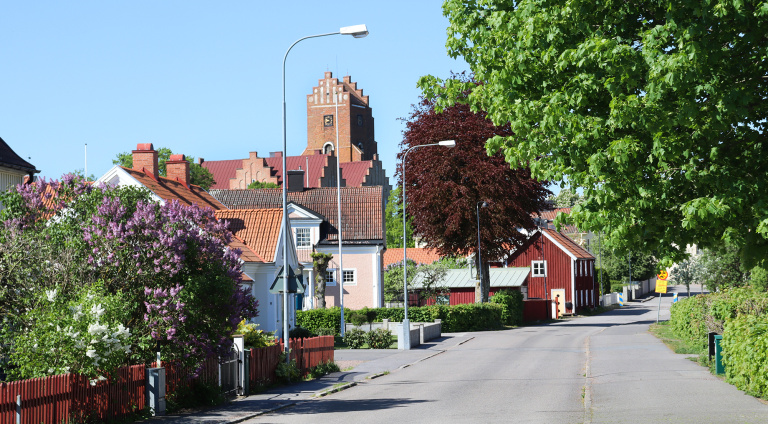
(719, 368)
(156, 390)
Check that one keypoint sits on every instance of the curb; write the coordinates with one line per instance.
(264, 412)
(334, 390)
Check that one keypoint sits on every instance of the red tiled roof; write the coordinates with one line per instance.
(259, 229)
(354, 173)
(222, 171)
(569, 244)
(417, 254)
(552, 213)
(169, 189)
(248, 254)
(362, 209)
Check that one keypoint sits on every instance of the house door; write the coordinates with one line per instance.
(559, 296)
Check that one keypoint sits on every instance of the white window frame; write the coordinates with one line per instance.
(308, 237)
(354, 277)
(538, 274)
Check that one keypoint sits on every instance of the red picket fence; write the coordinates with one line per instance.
(307, 353)
(58, 398)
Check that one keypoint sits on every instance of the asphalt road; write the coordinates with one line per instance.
(602, 369)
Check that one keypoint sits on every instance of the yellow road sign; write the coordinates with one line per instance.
(663, 275)
(661, 286)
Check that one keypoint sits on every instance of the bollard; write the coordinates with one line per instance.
(719, 368)
(156, 390)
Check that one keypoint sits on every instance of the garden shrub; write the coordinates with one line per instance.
(745, 353)
(287, 372)
(323, 368)
(511, 302)
(300, 333)
(355, 338)
(358, 319)
(379, 338)
(326, 331)
(253, 337)
(315, 319)
(688, 319)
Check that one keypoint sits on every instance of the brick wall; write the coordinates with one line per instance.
(145, 157)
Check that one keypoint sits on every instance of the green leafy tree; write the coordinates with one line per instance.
(262, 184)
(393, 280)
(722, 267)
(198, 174)
(686, 272)
(431, 278)
(567, 198)
(617, 266)
(656, 109)
(393, 218)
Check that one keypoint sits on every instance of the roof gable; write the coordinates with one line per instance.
(362, 209)
(567, 245)
(259, 229)
(9, 159)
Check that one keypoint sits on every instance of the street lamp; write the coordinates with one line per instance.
(357, 31)
(406, 339)
(479, 249)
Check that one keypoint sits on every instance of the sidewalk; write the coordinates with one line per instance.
(364, 363)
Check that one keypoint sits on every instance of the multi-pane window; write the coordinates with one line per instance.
(539, 268)
(349, 276)
(330, 277)
(302, 238)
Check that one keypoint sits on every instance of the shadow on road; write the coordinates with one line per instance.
(340, 405)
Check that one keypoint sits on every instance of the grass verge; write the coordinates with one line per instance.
(663, 331)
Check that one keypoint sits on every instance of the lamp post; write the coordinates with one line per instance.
(405, 340)
(357, 31)
(479, 205)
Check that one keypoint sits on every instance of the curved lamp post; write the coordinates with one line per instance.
(357, 31)
(406, 339)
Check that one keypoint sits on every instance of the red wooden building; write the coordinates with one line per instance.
(560, 270)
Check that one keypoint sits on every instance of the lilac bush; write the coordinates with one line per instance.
(170, 262)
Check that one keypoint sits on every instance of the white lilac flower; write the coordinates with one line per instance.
(91, 353)
(97, 310)
(51, 295)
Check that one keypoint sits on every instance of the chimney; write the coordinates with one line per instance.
(177, 168)
(200, 161)
(145, 157)
(295, 180)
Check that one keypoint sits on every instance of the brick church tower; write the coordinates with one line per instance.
(354, 120)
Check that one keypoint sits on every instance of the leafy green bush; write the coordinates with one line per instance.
(198, 394)
(358, 319)
(300, 333)
(355, 338)
(253, 337)
(326, 331)
(315, 319)
(323, 368)
(287, 372)
(745, 353)
(511, 302)
(616, 286)
(379, 338)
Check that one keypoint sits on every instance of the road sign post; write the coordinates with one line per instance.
(661, 288)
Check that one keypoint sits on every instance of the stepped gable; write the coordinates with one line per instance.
(222, 171)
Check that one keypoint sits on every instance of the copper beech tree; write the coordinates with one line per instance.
(444, 187)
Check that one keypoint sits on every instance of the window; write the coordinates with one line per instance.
(302, 238)
(442, 299)
(539, 268)
(349, 277)
(330, 277)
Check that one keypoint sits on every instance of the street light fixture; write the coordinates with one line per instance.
(357, 31)
(479, 205)
(406, 327)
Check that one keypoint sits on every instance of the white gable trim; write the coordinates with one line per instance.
(117, 176)
(556, 243)
(305, 214)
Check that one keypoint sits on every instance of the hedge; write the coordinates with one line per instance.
(511, 302)
(455, 318)
(745, 353)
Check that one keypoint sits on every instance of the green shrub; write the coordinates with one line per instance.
(379, 338)
(315, 319)
(198, 394)
(326, 331)
(355, 338)
(616, 286)
(745, 353)
(323, 368)
(253, 337)
(287, 372)
(511, 302)
(300, 333)
(358, 319)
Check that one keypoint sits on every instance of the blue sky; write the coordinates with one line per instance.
(202, 78)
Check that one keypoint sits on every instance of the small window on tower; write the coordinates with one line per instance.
(328, 120)
(359, 120)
